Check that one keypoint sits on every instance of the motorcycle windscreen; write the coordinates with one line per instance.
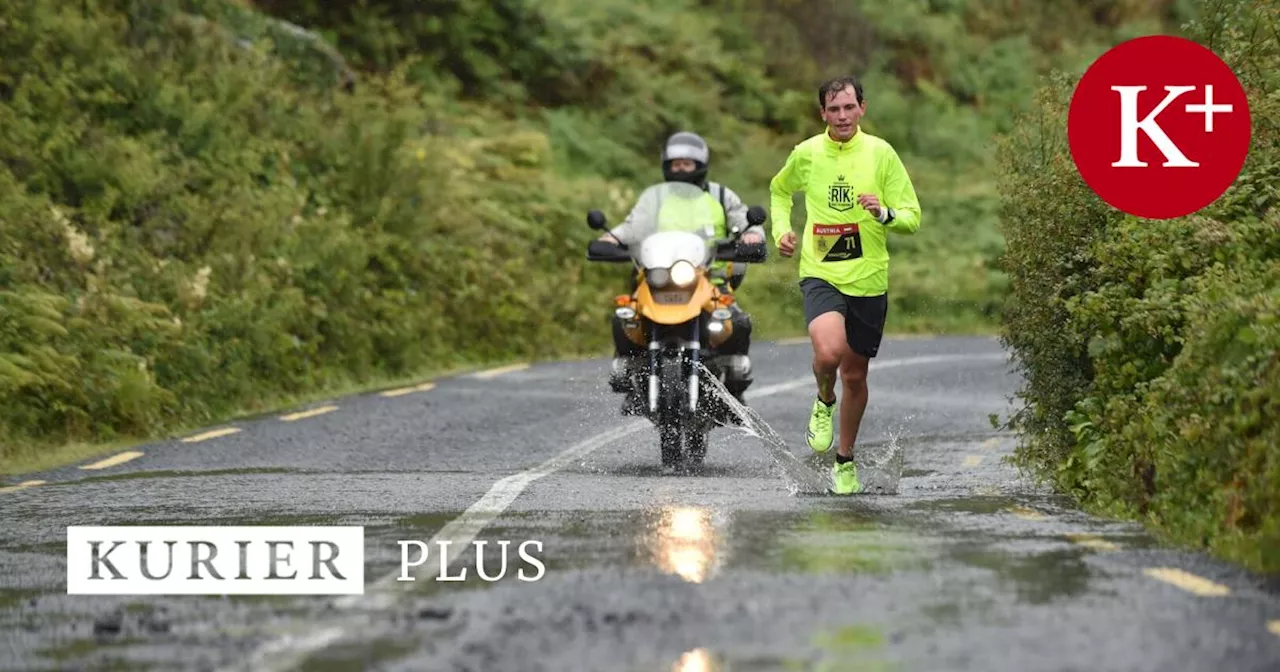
(667, 220)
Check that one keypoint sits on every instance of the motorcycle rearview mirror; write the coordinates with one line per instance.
(756, 215)
(596, 220)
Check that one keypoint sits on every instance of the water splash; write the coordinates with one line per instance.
(800, 478)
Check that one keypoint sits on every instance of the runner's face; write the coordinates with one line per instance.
(842, 113)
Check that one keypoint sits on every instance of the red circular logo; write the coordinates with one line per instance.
(1159, 127)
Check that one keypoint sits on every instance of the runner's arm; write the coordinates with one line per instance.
(899, 194)
(787, 182)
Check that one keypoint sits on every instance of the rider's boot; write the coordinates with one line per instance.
(622, 381)
(737, 362)
(620, 375)
(737, 375)
(737, 379)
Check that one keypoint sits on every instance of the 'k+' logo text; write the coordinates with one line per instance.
(1159, 127)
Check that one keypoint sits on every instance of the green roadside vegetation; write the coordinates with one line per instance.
(214, 208)
(1150, 348)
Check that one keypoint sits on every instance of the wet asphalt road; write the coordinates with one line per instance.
(966, 567)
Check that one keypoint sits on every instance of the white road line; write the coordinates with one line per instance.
(212, 434)
(22, 486)
(289, 652)
(494, 373)
(424, 387)
(302, 415)
(1026, 513)
(1187, 581)
(114, 460)
(1093, 541)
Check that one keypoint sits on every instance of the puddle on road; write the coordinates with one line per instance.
(685, 541)
(358, 656)
(978, 504)
(699, 544)
(1037, 577)
(694, 543)
(18, 597)
(835, 649)
(693, 561)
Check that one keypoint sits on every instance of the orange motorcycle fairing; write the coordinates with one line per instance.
(667, 312)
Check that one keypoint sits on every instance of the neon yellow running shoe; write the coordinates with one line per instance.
(820, 436)
(844, 478)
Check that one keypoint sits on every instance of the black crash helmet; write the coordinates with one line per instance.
(686, 145)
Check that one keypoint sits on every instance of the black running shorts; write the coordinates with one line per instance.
(864, 316)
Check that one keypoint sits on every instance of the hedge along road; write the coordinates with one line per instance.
(966, 567)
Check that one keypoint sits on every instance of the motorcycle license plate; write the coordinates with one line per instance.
(671, 296)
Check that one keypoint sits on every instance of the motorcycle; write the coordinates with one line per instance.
(677, 313)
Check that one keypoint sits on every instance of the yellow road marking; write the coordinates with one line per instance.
(211, 434)
(22, 486)
(302, 415)
(491, 373)
(990, 443)
(1027, 514)
(114, 460)
(1187, 581)
(1274, 627)
(1093, 541)
(972, 460)
(409, 390)
(798, 340)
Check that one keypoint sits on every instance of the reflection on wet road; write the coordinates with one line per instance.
(566, 548)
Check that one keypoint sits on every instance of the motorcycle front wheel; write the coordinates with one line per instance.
(670, 412)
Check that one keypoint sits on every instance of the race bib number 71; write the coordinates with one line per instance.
(837, 242)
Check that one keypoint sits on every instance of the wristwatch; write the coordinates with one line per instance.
(886, 215)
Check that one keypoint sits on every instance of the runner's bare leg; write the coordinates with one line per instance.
(853, 371)
(830, 348)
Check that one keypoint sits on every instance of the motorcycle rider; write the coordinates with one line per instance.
(686, 157)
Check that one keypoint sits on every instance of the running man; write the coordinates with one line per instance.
(856, 191)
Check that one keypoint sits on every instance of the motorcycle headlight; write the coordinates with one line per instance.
(683, 274)
(658, 277)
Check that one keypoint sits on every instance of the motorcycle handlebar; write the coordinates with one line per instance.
(741, 253)
(725, 250)
(603, 250)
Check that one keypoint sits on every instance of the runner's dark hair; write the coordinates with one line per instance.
(834, 86)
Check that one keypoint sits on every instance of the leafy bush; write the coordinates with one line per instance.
(1149, 347)
(187, 235)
